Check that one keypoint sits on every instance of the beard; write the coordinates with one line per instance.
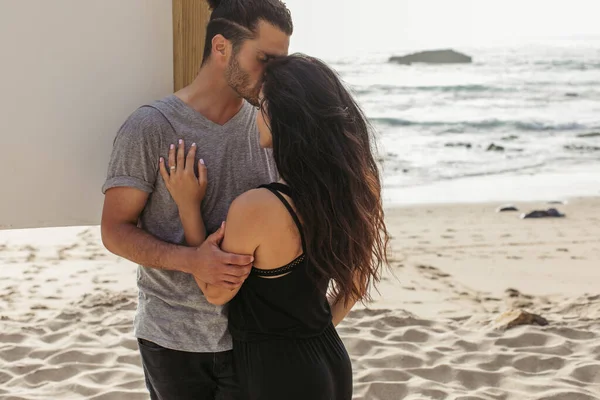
(239, 81)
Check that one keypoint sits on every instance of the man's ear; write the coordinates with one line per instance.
(219, 46)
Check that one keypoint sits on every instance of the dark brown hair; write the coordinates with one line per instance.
(237, 20)
(324, 150)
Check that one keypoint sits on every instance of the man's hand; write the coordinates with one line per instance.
(216, 267)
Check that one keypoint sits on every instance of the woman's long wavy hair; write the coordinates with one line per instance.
(323, 148)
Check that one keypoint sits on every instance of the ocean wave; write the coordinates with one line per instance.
(573, 65)
(392, 89)
(458, 127)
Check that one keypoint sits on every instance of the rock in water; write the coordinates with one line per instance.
(513, 318)
(494, 147)
(459, 144)
(433, 57)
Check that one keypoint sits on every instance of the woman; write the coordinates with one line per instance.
(320, 227)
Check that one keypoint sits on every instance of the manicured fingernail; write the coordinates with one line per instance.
(162, 160)
(180, 141)
(193, 144)
(201, 161)
(172, 146)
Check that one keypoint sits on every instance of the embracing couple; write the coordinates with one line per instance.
(271, 155)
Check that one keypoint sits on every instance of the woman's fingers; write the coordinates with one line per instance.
(172, 163)
(163, 170)
(181, 156)
(202, 174)
(189, 161)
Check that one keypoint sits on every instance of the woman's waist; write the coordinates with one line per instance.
(298, 334)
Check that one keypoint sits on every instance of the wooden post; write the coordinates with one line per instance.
(190, 18)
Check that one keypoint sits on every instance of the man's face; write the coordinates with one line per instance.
(246, 68)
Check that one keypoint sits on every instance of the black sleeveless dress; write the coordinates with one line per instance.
(285, 346)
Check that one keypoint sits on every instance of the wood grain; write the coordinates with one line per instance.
(190, 18)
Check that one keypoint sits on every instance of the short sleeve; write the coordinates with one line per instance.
(135, 154)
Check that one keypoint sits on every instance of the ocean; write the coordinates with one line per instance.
(528, 116)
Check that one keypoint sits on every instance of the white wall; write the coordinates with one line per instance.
(71, 71)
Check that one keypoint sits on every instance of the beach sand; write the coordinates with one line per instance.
(66, 310)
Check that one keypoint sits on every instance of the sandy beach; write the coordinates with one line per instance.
(66, 309)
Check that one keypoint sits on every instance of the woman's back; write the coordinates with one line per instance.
(283, 296)
(285, 345)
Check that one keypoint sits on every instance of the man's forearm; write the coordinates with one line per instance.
(136, 245)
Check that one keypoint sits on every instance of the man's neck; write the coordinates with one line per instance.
(210, 95)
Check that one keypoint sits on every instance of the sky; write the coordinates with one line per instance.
(346, 27)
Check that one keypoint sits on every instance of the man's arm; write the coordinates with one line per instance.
(121, 236)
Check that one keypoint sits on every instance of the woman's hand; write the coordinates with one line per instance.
(186, 189)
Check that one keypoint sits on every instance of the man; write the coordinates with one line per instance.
(183, 340)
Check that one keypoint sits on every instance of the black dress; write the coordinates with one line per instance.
(285, 346)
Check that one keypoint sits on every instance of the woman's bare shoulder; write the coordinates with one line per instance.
(254, 206)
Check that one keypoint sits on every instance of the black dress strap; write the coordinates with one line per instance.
(276, 188)
(280, 187)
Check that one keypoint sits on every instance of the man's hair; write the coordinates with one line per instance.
(237, 20)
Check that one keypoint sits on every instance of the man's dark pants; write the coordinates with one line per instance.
(179, 375)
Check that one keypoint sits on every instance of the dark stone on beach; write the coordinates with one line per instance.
(459, 144)
(571, 94)
(511, 137)
(549, 213)
(516, 317)
(556, 202)
(433, 57)
(591, 134)
(494, 147)
(507, 208)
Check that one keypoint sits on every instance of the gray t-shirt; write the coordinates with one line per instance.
(172, 311)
